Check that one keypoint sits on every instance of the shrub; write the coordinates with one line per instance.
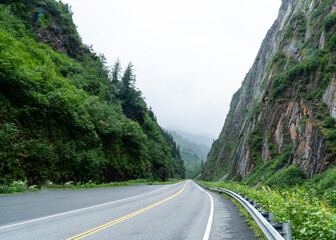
(332, 137)
(288, 178)
(309, 217)
(330, 21)
(329, 122)
(14, 187)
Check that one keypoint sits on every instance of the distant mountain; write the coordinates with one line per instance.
(193, 154)
(201, 139)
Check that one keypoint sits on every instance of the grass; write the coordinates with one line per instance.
(17, 187)
(249, 219)
(269, 170)
(21, 187)
(310, 216)
(172, 181)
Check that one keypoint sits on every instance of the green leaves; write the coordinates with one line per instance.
(329, 21)
(309, 217)
(71, 119)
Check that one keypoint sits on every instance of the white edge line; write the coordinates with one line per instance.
(82, 209)
(209, 224)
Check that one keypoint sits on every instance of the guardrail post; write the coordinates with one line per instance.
(271, 217)
(255, 204)
(287, 232)
(265, 220)
(278, 227)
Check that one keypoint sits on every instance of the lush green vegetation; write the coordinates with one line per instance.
(255, 143)
(299, 72)
(193, 154)
(14, 187)
(317, 65)
(330, 21)
(21, 187)
(308, 204)
(267, 173)
(67, 116)
(310, 218)
(327, 124)
(71, 185)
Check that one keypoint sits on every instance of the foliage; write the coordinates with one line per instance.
(279, 60)
(268, 172)
(289, 177)
(323, 7)
(178, 163)
(255, 145)
(69, 117)
(332, 137)
(14, 187)
(300, 76)
(20, 187)
(310, 218)
(192, 153)
(90, 184)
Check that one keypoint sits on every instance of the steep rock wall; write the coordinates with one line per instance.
(286, 99)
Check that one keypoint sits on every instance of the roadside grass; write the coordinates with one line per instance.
(16, 187)
(21, 187)
(249, 219)
(171, 181)
(310, 217)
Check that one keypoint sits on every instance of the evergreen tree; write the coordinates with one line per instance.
(115, 78)
(132, 102)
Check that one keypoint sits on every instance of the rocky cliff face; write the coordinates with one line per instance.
(287, 100)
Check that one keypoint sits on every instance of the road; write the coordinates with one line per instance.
(176, 211)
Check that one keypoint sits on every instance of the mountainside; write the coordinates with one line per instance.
(201, 139)
(281, 123)
(64, 114)
(193, 154)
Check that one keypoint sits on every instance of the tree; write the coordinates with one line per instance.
(116, 69)
(132, 102)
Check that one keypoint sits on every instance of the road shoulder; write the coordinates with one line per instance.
(227, 222)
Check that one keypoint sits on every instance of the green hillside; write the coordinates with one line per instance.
(64, 114)
(193, 154)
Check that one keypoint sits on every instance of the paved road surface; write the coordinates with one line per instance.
(177, 211)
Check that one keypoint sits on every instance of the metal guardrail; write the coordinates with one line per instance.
(265, 220)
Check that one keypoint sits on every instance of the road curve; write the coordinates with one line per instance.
(177, 211)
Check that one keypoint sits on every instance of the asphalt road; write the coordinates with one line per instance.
(177, 211)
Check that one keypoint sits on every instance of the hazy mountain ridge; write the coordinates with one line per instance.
(285, 109)
(193, 154)
(201, 139)
(185, 143)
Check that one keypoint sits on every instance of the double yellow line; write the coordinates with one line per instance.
(97, 229)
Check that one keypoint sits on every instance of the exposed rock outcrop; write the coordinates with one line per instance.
(329, 97)
(285, 98)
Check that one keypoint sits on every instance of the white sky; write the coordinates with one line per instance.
(190, 56)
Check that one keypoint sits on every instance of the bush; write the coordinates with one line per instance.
(332, 137)
(309, 217)
(15, 187)
(61, 119)
(265, 171)
(329, 122)
(330, 21)
(317, 94)
(290, 177)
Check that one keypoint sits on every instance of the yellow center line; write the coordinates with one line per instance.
(94, 230)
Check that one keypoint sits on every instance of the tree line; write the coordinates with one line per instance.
(65, 115)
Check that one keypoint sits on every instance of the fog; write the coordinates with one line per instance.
(190, 56)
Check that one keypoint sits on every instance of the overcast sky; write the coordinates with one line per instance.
(190, 56)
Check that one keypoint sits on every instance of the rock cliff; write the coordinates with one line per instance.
(287, 101)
